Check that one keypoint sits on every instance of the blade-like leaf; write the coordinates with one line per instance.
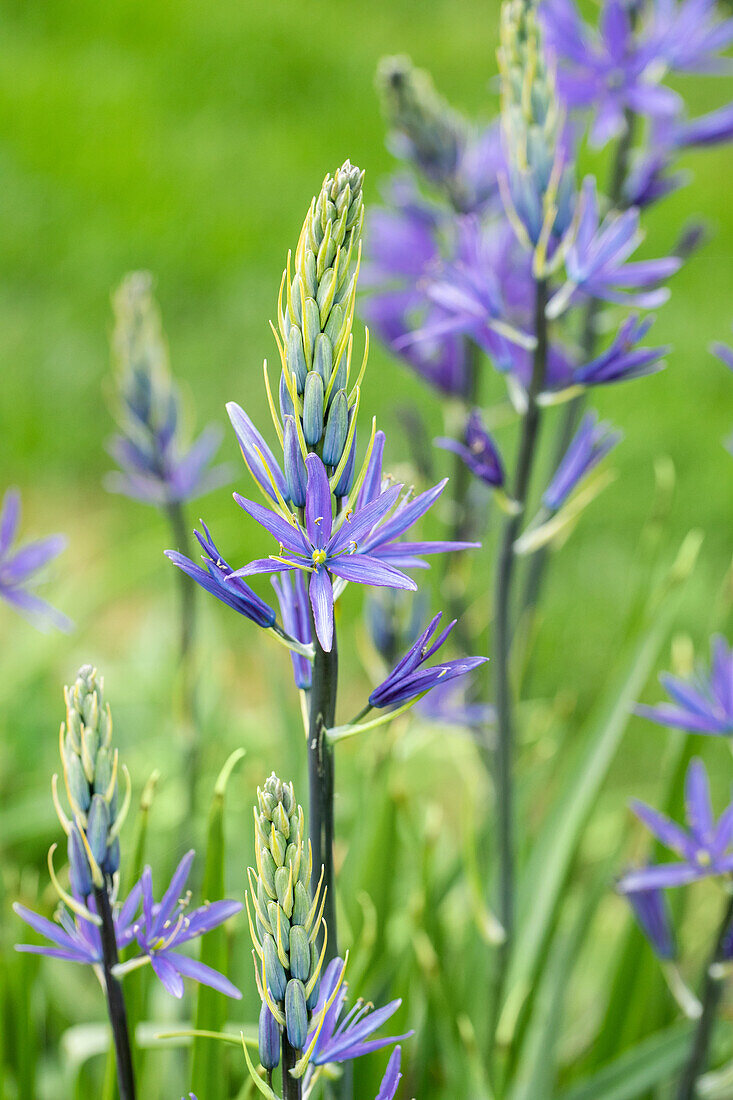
(544, 877)
(207, 1068)
(643, 1067)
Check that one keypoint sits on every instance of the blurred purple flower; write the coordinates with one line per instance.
(392, 1076)
(409, 679)
(477, 450)
(652, 913)
(610, 70)
(166, 926)
(155, 470)
(447, 705)
(622, 360)
(687, 35)
(591, 443)
(343, 1038)
(724, 353)
(215, 579)
(596, 260)
(702, 704)
(18, 567)
(703, 848)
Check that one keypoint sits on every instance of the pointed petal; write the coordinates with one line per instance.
(321, 597)
(318, 506)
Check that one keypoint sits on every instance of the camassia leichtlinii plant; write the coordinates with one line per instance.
(92, 924)
(336, 519)
(156, 464)
(492, 250)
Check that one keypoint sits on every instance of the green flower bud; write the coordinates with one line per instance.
(323, 358)
(313, 409)
(269, 1039)
(337, 427)
(98, 829)
(296, 357)
(274, 970)
(296, 1014)
(300, 954)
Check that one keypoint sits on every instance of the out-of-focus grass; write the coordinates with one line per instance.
(189, 138)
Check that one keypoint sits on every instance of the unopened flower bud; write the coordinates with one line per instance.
(295, 473)
(296, 1014)
(269, 1039)
(313, 409)
(337, 426)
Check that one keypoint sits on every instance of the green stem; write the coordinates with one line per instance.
(588, 341)
(115, 998)
(292, 1086)
(710, 999)
(187, 626)
(502, 645)
(321, 778)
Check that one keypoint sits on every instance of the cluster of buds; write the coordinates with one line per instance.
(149, 403)
(315, 318)
(540, 188)
(90, 768)
(425, 129)
(287, 923)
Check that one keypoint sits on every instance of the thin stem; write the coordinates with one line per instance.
(321, 778)
(502, 644)
(292, 1086)
(710, 999)
(588, 341)
(115, 998)
(187, 626)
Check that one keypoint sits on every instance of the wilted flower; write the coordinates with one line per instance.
(596, 260)
(18, 567)
(704, 847)
(652, 913)
(702, 704)
(215, 578)
(166, 926)
(591, 443)
(623, 360)
(478, 451)
(156, 466)
(408, 679)
(344, 1037)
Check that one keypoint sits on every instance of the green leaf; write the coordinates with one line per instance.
(207, 1068)
(546, 873)
(652, 1061)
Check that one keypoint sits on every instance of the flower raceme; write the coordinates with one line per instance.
(590, 445)
(155, 465)
(18, 567)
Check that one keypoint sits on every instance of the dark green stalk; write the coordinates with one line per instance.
(588, 340)
(710, 999)
(500, 650)
(187, 625)
(292, 1086)
(321, 778)
(115, 998)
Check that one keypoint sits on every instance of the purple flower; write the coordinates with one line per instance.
(724, 353)
(384, 541)
(345, 1037)
(158, 471)
(258, 458)
(469, 295)
(74, 937)
(321, 550)
(477, 450)
(702, 704)
(409, 679)
(295, 610)
(609, 70)
(591, 443)
(703, 848)
(622, 360)
(402, 247)
(687, 35)
(652, 913)
(215, 578)
(596, 260)
(18, 567)
(166, 926)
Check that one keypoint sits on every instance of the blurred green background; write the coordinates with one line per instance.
(188, 138)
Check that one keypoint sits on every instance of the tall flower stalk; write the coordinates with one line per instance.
(156, 466)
